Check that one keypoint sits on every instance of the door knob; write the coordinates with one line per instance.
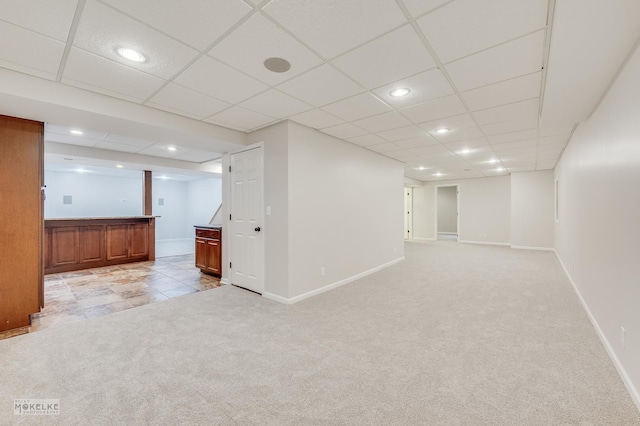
(257, 229)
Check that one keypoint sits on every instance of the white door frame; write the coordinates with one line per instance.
(408, 212)
(264, 230)
(435, 229)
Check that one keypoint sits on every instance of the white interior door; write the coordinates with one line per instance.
(247, 242)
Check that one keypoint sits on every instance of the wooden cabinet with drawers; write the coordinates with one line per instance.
(209, 250)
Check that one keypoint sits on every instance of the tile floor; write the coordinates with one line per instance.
(76, 296)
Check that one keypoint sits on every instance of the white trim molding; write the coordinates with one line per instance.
(331, 286)
(533, 248)
(488, 243)
(633, 391)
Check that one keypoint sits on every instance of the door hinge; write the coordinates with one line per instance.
(229, 169)
(230, 267)
(229, 216)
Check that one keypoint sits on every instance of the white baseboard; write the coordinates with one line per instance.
(633, 391)
(418, 239)
(331, 286)
(484, 242)
(225, 281)
(533, 248)
(448, 233)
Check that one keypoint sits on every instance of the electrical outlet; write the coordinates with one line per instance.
(623, 337)
(322, 271)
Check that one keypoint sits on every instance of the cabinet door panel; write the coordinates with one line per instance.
(139, 239)
(64, 246)
(201, 253)
(91, 244)
(213, 256)
(117, 246)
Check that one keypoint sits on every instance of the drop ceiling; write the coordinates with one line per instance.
(475, 68)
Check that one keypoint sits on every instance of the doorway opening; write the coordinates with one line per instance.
(408, 213)
(447, 215)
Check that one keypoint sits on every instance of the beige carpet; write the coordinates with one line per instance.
(455, 335)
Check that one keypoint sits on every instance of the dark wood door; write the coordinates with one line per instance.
(91, 244)
(213, 256)
(201, 253)
(139, 240)
(21, 220)
(117, 242)
(64, 246)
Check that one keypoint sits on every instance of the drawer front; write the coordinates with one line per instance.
(208, 233)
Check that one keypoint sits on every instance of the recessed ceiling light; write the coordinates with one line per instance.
(420, 168)
(500, 169)
(493, 161)
(119, 166)
(465, 151)
(277, 65)
(76, 132)
(131, 55)
(437, 174)
(172, 148)
(403, 91)
(442, 131)
(80, 170)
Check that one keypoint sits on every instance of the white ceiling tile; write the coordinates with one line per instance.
(434, 110)
(357, 107)
(196, 158)
(456, 122)
(317, 119)
(523, 110)
(418, 7)
(344, 131)
(546, 165)
(241, 118)
(157, 151)
(401, 155)
(367, 139)
(384, 147)
(508, 146)
(505, 92)
(389, 58)
(508, 127)
(180, 100)
(380, 122)
(435, 155)
(102, 30)
(34, 54)
(259, 39)
(335, 26)
(514, 136)
(423, 140)
(275, 104)
(430, 150)
(66, 130)
(228, 85)
(471, 144)
(516, 58)
(455, 135)
(408, 132)
(50, 18)
(466, 26)
(98, 74)
(321, 86)
(128, 140)
(114, 146)
(424, 87)
(197, 23)
(555, 130)
(529, 168)
(80, 141)
(560, 139)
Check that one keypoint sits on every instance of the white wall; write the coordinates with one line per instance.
(333, 205)
(598, 233)
(485, 210)
(345, 209)
(92, 195)
(204, 196)
(172, 223)
(447, 209)
(532, 209)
